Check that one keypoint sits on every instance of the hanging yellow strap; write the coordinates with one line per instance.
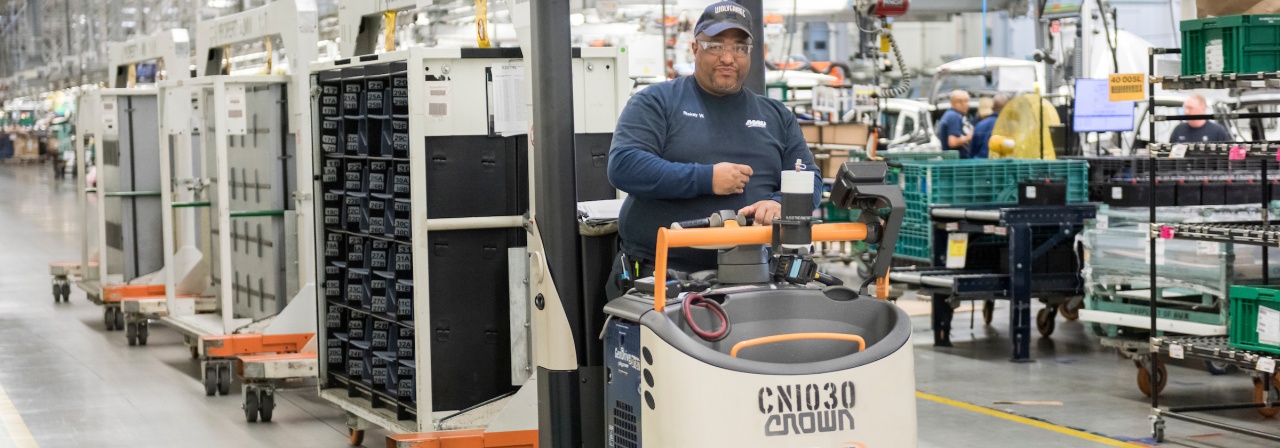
(389, 30)
(132, 80)
(226, 59)
(270, 54)
(482, 23)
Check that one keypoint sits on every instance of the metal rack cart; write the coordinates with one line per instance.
(1041, 264)
(1212, 348)
(244, 219)
(424, 298)
(120, 121)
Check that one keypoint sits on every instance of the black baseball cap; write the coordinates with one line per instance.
(721, 16)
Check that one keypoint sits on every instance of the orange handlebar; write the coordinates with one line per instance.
(862, 344)
(733, 236)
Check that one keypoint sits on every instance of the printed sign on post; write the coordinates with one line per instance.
(1127, 86)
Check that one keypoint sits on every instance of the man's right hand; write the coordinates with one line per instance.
(730, 178)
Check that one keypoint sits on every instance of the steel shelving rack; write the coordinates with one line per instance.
(1209, 348)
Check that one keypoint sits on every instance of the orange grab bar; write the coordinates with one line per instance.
(862, 344)
(734, 236)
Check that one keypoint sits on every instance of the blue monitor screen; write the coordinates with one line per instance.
(146, 73)
(1095, 112)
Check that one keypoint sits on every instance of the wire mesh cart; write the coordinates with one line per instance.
(1211, 348)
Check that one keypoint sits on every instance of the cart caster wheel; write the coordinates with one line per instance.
(66, 292)
(251, 405)
(357, 437)
(57, 292)
(1144, 377)
(1045, 321)
(1069, 312)
(266, 405)
(1217, 367)
(131, 334)
(1260, 395)
(119, 317)
(988, 311)
(210, 380)
(1157, 431)
(224, 378)
(109, 319)
(142, 333)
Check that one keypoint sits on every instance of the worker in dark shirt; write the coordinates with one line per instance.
(954, 129)
(1198, 131)
(982, 131)
(689, 147)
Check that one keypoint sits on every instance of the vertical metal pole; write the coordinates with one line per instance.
(1266, 219)
(1151, 240)
(555, 199)
(1020, 291)
(755, 77)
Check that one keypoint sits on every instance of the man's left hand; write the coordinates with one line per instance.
(763, 212)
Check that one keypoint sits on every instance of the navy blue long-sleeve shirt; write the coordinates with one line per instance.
(668, 139)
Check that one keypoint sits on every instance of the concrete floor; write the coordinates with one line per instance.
(74, 384)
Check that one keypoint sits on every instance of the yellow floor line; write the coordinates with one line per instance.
(13, 424)
(1027, 421)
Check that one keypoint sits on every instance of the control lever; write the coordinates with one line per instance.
(715, 220)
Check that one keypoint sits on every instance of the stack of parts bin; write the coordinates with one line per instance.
(367, 246)
(1191, 181)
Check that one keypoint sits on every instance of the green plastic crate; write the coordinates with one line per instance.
(1231, 44)
(1246, 304)
(973, 182)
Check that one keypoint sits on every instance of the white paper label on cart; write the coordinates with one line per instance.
(1175, 351)
(988, 229)
(1268, 326)
(1031, 192)
(1117, 193)
(1103, 221)
(1178, 151)
(957, 247)
(1213, 60)
(110, 116)
(509, 110)
(237, 118)
(439, 100)
(1266, 365)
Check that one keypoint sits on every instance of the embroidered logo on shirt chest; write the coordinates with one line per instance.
(756, 124)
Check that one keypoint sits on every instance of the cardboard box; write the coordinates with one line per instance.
(26, 147)
(1219, 8)
(812, 133)
(854, 134)
(830, 162)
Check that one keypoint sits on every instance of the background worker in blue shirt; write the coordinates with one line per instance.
(982, 131)
(954, 128)
(689, 147)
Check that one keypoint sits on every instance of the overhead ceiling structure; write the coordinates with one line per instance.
(67, 39)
